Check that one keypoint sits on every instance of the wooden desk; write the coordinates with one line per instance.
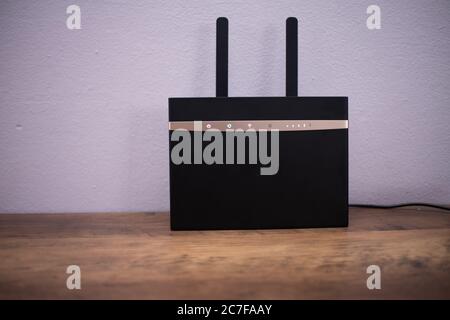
(135, 255)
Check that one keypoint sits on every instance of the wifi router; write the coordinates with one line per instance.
(258, 162)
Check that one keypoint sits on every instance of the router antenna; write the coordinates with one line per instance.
(291, 57)
(222, 57)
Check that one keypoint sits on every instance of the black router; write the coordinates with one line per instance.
(307, 189)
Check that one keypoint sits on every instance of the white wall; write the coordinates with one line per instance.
(83, 113)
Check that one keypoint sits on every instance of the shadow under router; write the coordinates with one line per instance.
(310, 185)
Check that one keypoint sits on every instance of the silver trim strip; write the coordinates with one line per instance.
(281, 125)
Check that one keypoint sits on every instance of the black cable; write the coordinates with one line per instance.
(418, 204)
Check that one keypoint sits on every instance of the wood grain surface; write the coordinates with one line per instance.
(136, 256)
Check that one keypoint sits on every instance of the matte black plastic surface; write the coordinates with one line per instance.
(222, 57)
(309, 190)
(291, 57)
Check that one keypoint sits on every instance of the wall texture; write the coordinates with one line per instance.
(83, 113)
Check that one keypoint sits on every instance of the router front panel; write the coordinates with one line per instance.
(309, 189)
(257, 163)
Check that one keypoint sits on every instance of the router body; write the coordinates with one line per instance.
(310, 187)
